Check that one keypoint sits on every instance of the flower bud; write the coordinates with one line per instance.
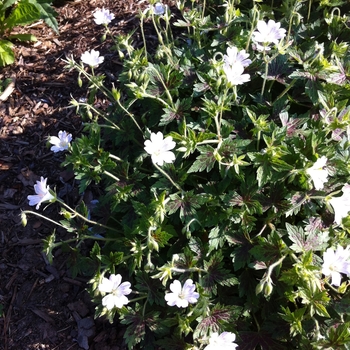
(121, 54)
(116, 94)
(217, 156)
(24, 219)
(268, 289)
(219, 82)
(80, 82)
(259, 288)
(67, 215)
(149, 267)
(152, 244)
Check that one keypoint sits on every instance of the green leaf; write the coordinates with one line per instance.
(178, 112)
(206, 160)
(339, 335)
(176, 342)
(136, 329)
(8, 3)
(302, 241)
(151, 287)
(111, 261)
(23, 37)
(47, 13)
(218, 315)
(49, 245)
(259, 340)
(6, 54)
(217, 274)
(241, 254)
(24, 13)
(187, 204)
(294, 319)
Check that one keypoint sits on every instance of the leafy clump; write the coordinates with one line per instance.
(20, 13)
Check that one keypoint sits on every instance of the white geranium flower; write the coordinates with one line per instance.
(335, 263)
(268, 33)
(42, 193)
(92, 58)
(60, 143)
(182, 296)
(234, 63)
(341, 205)
(117, 291)
(235, 74)
(159, 148)
(103, 16)
(159, 9)
(318, 173)
(224, 341)
(235, 57)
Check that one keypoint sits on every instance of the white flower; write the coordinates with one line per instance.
(224, 341)
(103, 16)
(318, 173)
(268, 33)
(159, 148)
(159, 9)
(182, 296)
(234, 63)
(235, 74)
(335, 263)
(341, 205)
(42, 193)
(117, 291)
(234, 57)
(92, 58)
(60, 143)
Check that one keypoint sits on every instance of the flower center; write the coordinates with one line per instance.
(182, 295)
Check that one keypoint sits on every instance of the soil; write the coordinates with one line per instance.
(43, 306)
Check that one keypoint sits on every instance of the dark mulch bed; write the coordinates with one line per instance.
(43, 306)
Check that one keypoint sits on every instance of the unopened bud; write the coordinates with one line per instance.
(149, 267)
(121, 54)
(219, 82)
(80, 82)
(116, 94)
(24, 219)
(259, 288)
(268, 289)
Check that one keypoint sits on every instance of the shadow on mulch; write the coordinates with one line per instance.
(41, 305)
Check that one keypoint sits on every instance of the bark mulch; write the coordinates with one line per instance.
(41, 305)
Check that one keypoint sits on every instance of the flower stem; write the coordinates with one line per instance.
(97, 112)
(192, 269)
(111, 175)
(266, 72)
(115, 157)
(143, 36)
(168, 177)
(86, 219)
(252, 29)
(43, 217)
(205, 142)
(129, 114)
(139, 298)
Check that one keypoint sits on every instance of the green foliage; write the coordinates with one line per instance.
(239, 211)
(20, 13)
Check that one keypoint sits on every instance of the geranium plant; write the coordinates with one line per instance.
(222, 158)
